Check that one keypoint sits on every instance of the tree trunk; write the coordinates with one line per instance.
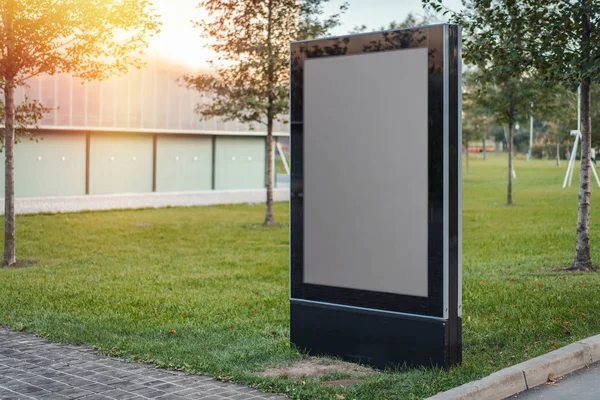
(557, 154)
(509, 199)
(9, 184)
(484, 150)
(582, 260)
(9, 141)
(467, 155)
(269, 220)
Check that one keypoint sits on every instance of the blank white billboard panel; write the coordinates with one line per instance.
(366, 171)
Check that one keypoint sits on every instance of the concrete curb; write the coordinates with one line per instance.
(528, 374)
(34, 205)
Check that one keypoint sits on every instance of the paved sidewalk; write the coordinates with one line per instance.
(580, 385)
(32, 368)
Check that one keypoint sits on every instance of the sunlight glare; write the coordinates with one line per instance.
(178, 40)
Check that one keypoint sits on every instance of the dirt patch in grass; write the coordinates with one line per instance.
(263, 226)
(315, 368)
(20, 264)
(142, 225)
(568, 269)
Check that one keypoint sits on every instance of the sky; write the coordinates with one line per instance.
(376, 13)
(179, 41)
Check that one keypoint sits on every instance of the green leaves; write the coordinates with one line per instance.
(250, 82)
(542, 37)
(92, 39)
(27, 115)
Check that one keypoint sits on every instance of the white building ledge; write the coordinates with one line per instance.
(35, 205)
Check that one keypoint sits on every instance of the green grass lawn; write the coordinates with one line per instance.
(121, 280)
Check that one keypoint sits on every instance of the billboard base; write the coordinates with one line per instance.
(376, 338)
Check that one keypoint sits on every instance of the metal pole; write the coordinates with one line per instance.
(274, 171)
(571, 164)
(595, 174)
(530, 137)
(577, 140)
(285, 164)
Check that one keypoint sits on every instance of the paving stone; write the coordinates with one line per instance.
(32, 368)
(168, 387)
(74, 393)
(96, 397)
(119, 394)
(185, 392)
(52, 396)
(170, 396)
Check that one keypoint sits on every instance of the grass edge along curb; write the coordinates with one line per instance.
(529, 374)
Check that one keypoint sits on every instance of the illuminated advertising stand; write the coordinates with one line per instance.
(375, 263)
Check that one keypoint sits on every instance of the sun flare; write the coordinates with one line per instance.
(178, 40)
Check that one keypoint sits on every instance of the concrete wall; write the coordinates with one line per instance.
(183, 163)
(52, 166)
(124, 163)
(120, 163)
(240, 163)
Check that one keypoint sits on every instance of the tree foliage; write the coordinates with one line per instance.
(27, 115)
(249, 80)
(90, 39)
(557, 40)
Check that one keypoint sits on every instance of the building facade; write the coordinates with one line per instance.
(136, 133)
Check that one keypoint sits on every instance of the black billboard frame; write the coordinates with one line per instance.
(383, 329)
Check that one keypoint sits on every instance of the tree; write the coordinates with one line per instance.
(472, 130)
(558, 113)
(557, 39)
(249, 81)
(27, 115)
(90, 39)
(567, 49)
(506, 102)
(476, 117)
(493, 37)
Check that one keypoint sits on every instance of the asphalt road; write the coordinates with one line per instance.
(580, 385)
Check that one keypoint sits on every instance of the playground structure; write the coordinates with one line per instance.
(577, 133)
